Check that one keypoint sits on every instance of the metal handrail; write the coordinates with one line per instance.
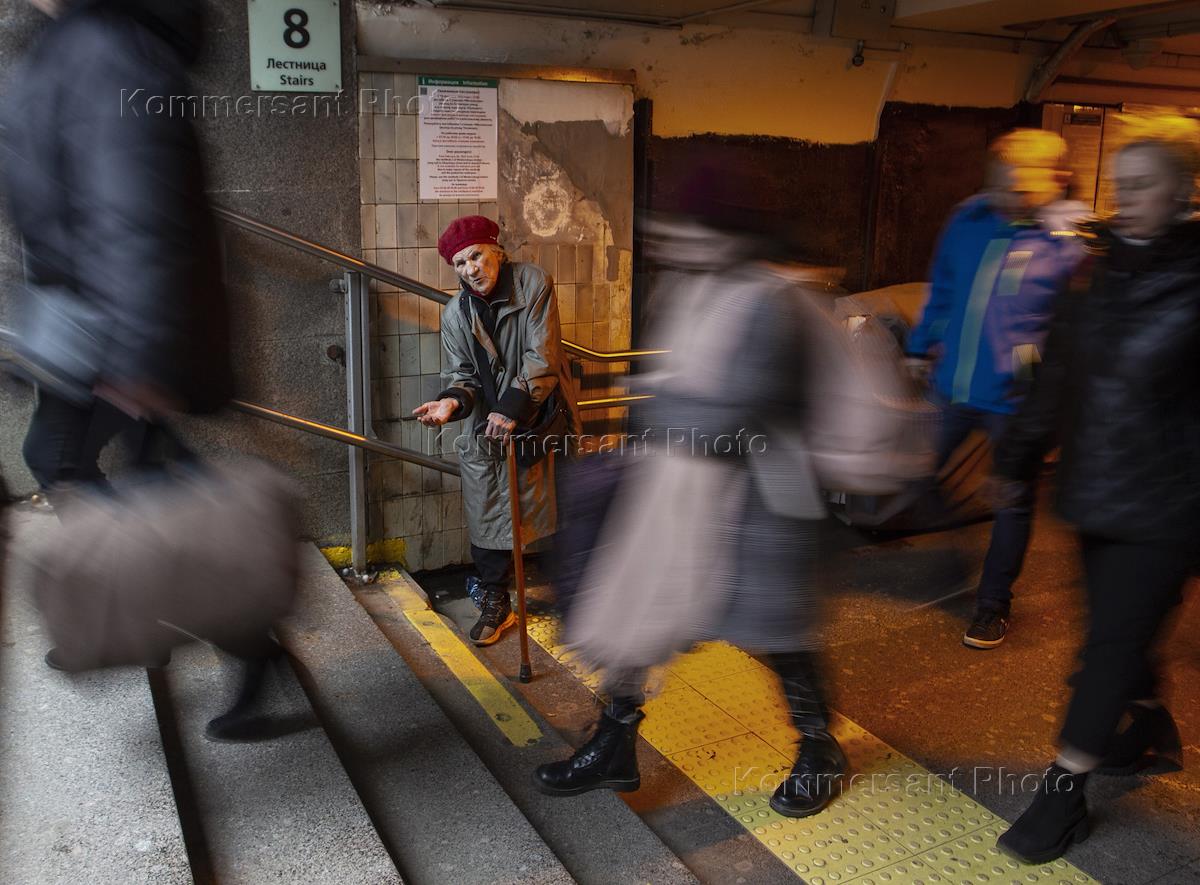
(345, 436)
(615, 356)
(391, 278)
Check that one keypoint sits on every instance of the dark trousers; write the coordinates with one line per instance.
(494, 567)
(1131, 589)
(1010, 532)
(64, 441)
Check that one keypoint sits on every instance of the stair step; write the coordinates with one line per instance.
(598, 838)
(279, 810)
(85, 794)
(435, 804)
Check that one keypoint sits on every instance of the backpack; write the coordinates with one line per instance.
(869, 429)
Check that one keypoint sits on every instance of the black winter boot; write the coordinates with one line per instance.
(820, 769)
(815, 780)
(1055, 820)
(1151, 737)
(608, 759)
(242, 721)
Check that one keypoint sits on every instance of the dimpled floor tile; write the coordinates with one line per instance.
(720, 718)
(754, 699)
(682, 719)
(712, 660)
(975, 860)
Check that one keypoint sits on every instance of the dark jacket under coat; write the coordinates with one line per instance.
(107, 189)
(1121, 386)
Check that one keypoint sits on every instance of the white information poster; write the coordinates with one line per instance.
(295, 45)
(458, 138)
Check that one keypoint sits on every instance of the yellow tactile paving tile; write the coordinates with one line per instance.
(682, 718)
(722, 720)
(710, 661)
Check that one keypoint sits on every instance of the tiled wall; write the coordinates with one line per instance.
(422, 506)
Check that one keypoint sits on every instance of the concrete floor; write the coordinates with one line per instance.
(904, 675)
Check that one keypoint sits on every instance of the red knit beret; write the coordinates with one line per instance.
(470, 230)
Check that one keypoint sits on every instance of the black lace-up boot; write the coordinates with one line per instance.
(608, 759)
(820, 769)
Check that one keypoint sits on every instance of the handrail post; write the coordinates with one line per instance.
(357, 408)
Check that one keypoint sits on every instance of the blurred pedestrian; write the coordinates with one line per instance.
(507, 375)
(121, 252)
(714, 535)
(1120, 383)
(1004, 258)
(127, 322)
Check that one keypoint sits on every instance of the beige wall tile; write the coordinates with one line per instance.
(408, 313)
(406, 137)
(429, 226)
(366, 137)
(410, 354)
(584, 303)
(431, 354)
(384, 136)
(385, 227)
(404, 87)
(367, 218)
(406, 181)
(431, 315)
(406, 226)
(566, 303)
(366, 181)
(566, 264)
(388, 316)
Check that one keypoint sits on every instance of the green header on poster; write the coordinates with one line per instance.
(466, 82)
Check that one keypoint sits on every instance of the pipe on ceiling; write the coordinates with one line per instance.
(1050, 68)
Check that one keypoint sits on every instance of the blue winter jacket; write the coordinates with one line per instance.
(992, 293)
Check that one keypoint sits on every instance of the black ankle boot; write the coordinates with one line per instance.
(821, 766)
(815, 780)
(242, 721)
(1055, 820)
(1151, 737)
(609, 759)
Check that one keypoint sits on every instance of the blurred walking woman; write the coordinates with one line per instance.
(1121, 384)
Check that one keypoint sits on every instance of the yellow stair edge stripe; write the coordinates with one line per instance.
(497, 702)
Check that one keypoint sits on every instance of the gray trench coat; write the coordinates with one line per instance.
(528, 362)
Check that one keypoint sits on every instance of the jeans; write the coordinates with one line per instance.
(1011, 530)
(64, 441)
(1131, 590)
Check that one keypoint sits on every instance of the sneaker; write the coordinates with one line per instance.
(495, 616)
(987, 630)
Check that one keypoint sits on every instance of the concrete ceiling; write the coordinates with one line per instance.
(659, 13)
(1176, 22)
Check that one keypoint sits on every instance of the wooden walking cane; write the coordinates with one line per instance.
(518, 550)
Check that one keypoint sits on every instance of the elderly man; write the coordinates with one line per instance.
(506, 369)
(1003, 259)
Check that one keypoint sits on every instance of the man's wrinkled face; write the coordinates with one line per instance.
(479, 266)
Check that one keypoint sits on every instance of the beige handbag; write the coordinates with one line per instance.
(653, 585)
(208, 553)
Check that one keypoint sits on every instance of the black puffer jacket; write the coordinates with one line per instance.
(1121, 385)
(108, 191)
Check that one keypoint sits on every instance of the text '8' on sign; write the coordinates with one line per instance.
(295, 45)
